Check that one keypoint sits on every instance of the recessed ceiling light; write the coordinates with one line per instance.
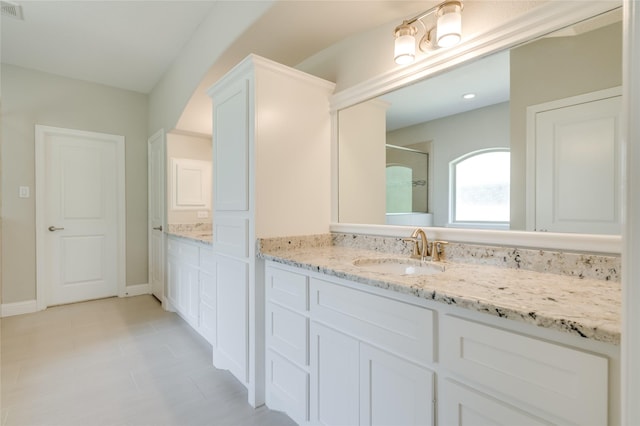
(468, 96)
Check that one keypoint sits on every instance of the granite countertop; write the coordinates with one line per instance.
(203, 237)
(585, 307)
(194, 232)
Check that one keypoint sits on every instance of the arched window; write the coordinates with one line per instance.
(480, 189)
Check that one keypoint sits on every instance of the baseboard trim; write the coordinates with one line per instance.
(136, 290)
(18, 308)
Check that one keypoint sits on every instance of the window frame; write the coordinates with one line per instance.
(504, 225)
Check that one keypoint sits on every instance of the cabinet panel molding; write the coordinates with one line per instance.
(394, 391)
(564, 382)
(398, 327)
(231, 235)
(288, 387)
(463, 406)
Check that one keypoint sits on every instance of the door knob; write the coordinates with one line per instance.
(157, 228)
(54, 229)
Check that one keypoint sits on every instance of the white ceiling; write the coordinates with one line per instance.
(130, 44)
(440, 96)
(124, 44)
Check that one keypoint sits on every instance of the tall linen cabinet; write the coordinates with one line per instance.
(272, 163)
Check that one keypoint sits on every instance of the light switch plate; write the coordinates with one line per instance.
(203, 214)
(24, 192)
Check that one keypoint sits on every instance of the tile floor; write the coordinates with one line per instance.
(120, 362)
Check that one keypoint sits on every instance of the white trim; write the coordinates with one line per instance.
(605, 244)
(255, 61)
(18, 308)
(136, 290)
(532, 110)
(630, 344)
(42, 290)
(542, 20)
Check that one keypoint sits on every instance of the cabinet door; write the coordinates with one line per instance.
(287, 387)
(464, 406)
(190, 295)
(393, 391)
(334, 377)
(231, 147)
(208, 305)
(173, 278)
(230, 350)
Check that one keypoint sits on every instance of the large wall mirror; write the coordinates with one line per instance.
(523, 139)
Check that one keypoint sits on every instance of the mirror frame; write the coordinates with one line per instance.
(544, 19)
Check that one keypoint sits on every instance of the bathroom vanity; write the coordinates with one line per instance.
(190, 285)
(461, 345)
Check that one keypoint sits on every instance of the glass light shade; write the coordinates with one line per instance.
(449, 30)
(405, 49)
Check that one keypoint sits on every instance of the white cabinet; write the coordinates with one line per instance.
(230, 347)
(287, 343)
(340, 353)
(183, 279)
(208, 294)
(334, 377)
(538, 376)
(339, 356)
(191, 289)
(394, 391)
(368, 358)
(464, 406)
(264, 115)
(354, 383)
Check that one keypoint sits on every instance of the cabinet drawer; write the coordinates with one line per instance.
(185, 252)
(288, 333)
(287, 388)
(564, 382)
(400, 328)
(287, 288)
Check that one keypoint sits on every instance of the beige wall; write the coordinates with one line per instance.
(31, 97)
(556, 68)
(361, 174)
(192, 147)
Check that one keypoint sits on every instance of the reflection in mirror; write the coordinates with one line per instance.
(407, 189)
(552, 103)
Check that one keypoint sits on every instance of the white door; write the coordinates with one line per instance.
(156, 212)
(578, 173)
(80, 215)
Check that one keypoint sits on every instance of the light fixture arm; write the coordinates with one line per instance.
(434, 9)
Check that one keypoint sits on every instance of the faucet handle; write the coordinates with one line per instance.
(416, 247)
(437, 250)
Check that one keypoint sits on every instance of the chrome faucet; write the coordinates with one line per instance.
(421, 244)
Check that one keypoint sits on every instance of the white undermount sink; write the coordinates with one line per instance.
(399, 266)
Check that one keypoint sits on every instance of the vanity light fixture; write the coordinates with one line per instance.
(445, 32)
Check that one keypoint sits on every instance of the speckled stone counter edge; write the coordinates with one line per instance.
(596, 315)
(579, 265)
